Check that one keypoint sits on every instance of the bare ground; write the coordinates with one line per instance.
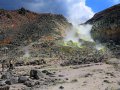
(98, 76)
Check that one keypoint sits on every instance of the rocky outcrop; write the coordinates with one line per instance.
(106, 25)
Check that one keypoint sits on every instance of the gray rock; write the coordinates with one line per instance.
(106, 81)
(6, 75)
(5, 88)
(47, 73)
(12, 80)
(61, 87)
(37, 83)
(29, 83)
(2, 83)
(88, 75)
(19, 63)
(22, 79)
(36, 74)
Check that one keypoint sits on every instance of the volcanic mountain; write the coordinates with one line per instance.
(27, 35)
(106, 25)
(22, 26)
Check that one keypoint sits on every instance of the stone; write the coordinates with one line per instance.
(2, 83)
(5, 88)
(74, 80)
(36, 74)
(61, 75)
(37, 83)
(88, 75)
(6, 75)
(61, 87)
(23, 79)
(47, 73)
(32, 63)
(12, 80)
(106, 81)
(19, 63)
(29, 83)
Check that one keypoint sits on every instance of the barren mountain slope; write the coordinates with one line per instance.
(106, 25)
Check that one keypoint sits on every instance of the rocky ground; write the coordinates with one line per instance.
(34, 44)
(94, 76)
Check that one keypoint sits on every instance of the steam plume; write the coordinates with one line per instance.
(79, 32)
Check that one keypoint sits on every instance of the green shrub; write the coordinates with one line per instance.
(22, 11)
(9, 16)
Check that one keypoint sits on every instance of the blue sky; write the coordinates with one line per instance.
(99, 5)
(96, 5)
(75, 10)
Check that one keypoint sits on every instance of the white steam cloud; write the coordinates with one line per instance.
(26, 50)
(79, 12)
(79, 32)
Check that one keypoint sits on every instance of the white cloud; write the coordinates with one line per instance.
(75, 10)
(79, 32)
(79, 12)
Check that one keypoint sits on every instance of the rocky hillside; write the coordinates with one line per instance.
(106, 25)
(28, 36)
(22, 27)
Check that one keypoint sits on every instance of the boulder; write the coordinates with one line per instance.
(23, 79)
(2, 83)
(19, 63)
(29, 83)
(36, 74)
(12, 80)
(6, 75)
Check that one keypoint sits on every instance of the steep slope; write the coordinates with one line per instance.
(29, 36)
(106, 25)
(22, 27)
